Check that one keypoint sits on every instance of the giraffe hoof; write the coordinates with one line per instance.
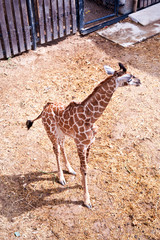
(73, 172)
(89, 206)
(62, 182)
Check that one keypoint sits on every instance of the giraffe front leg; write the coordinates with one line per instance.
(84, 169)
(60, 172)
(87, 153)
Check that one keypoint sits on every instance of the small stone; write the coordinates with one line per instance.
(46, 89)
(24, 185)
(135, 222)
(28, 88)
(17, 234)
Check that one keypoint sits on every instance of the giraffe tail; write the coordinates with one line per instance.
(29, 123)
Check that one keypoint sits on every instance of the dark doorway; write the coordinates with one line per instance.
(96, 14)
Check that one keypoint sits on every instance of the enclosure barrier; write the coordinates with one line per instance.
(146, 3)
(26, 23)
(116, 10)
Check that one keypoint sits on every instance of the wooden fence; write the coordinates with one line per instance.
(25, 23)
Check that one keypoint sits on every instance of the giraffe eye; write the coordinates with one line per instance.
(130, 80)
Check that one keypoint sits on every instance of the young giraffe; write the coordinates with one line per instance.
(77, 121)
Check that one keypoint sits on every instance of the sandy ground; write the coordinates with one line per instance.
(124, 160)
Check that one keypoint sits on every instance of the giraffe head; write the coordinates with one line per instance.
(122, 77)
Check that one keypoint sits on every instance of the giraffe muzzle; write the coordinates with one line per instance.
(134, 81)
(138, 82)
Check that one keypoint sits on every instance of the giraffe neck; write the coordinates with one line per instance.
(98, 100)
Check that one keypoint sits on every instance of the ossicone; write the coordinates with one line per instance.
(122, 67)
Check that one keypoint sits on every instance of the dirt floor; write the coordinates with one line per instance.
(124, 160)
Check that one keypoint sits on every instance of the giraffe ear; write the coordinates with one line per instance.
(109, 70)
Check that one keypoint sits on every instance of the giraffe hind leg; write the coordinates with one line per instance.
(60, 171)
(67, 164)
(51, 129)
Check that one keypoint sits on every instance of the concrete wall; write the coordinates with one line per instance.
(127, 7)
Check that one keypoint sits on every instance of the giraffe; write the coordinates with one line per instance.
(77, 120)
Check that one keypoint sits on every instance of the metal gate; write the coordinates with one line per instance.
(26, 23)
(97, 14)
(146, 3)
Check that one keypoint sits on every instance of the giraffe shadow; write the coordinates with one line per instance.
(18, 194)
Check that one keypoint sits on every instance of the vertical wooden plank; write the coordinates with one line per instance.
(41, 21)
(48, 20)
(19, 25)
(4, 31)
(54, 18)
(26, 24)
(67, 16)
(11, 25)
(60, 18)
(1, 51)
(73, 14)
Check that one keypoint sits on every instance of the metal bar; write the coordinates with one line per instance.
(32, 24)
(117, 7)
(102, 25)
(99, 19)
(81, 14)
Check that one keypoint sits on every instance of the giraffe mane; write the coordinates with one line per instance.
(96, 89)
(71, 105)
